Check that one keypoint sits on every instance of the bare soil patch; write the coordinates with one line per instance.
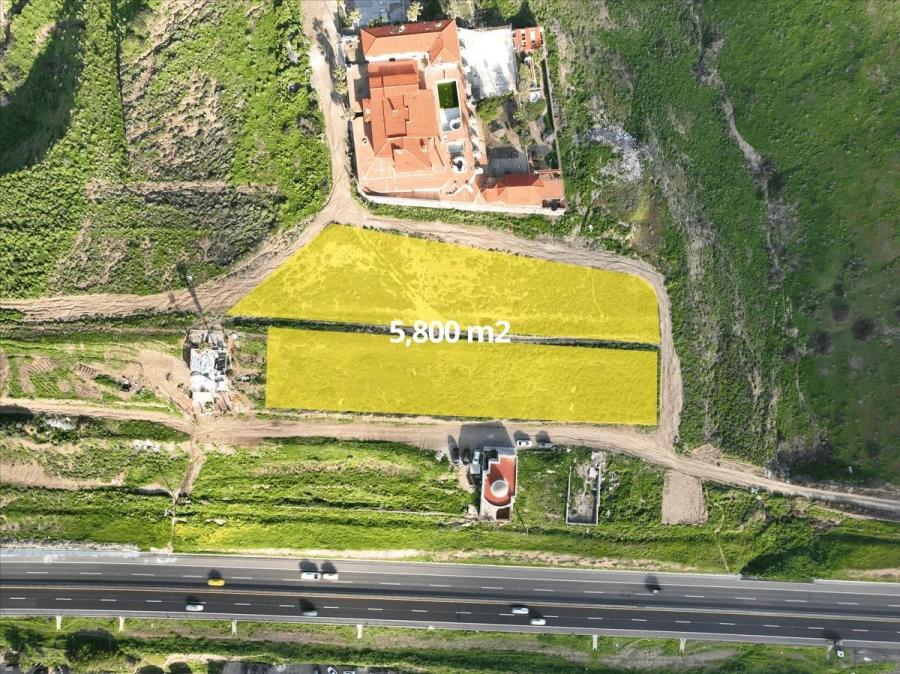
(682, 500)
(32, 474)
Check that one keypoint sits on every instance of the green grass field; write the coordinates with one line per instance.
(147, 646)
(301, 495)
(100, 96)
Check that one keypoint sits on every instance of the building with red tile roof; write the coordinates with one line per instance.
(498, 483)
(527, 40)
(417, 136)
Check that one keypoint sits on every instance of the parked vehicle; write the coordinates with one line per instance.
(839, 649)
(520, 610)
(466, 456)
(331, 670)
(330, 576)
(193, 608)
(537, 622)
(310, 575)
(216, 582)
(524, 443)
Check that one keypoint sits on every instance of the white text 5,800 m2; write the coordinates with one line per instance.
(449, 332)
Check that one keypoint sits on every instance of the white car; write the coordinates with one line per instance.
(194, 608)
(537, 622)
(520, 610)
(310, 575)
(330, 576)
(524, 443)
(310, 613)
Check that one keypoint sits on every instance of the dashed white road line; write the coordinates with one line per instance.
(331, 607)
(776, 626)
(696, 596)
(153, 601)
(241, 603)
(242, 577)
(190, 576)
(592, 618)
(638, 620)
(37, 573)
(684, 622)
(63, 598)
(464, 612)
(796, 601)
(375, 609)
(89, 573)
(543, 589)
(109, 600)
(594, 592)
(729, 624)
(437, 585)
(746, 598)
(18, 598)
(491, 587)
(286, 605)
(815, 628)
(419, 610)
(143, 574)
(390, 583)
(860, 630)
(848, 603)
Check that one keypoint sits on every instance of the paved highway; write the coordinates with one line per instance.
(44, 582)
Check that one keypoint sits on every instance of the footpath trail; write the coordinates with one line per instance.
(223, 292)
(433, 434)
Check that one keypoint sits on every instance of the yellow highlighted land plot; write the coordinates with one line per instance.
(353, 275)
(357, 372)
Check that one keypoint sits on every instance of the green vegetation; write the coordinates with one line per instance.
(779, 271)
(81, 365)
(98, 96)
(92, 645)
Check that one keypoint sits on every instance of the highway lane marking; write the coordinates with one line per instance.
(728, 624)
(796, 601)
(390, 583)
(594, 592)
(190, 576)
(442, 600)
(593, 618)
(470, 613)
(109, 600)
(18, 598)
(291, 579)
(332, 607)
(89, 573)
(242, 577)
(437, 585)
(143, 574)
(348, 582)
(815, 628)
(550, 616)
(504, 614)
(811, 588)
(849, 603)
(153, 601)
(774, 626)
(746, 598)
(374, 609)
(543, 589)
(37, 573)
(856, 630)
(491, 587)
(241, 603)
(63, 598)
(894, 605)
(638, 620)
(419, 610)
(695, 596)
(286, 605)
(684, 622)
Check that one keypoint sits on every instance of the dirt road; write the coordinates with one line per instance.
(223, 292)
(434, 434)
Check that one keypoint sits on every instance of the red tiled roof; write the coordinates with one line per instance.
(528, 39)
(438, 39)
(503, 468)
(524, 189)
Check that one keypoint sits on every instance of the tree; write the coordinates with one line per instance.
(414, 11)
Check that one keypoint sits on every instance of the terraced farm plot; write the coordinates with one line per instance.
(354, 372)
(354, 275)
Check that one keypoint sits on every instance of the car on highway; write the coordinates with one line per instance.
(330, 575)
(537, 622)
(216, 582)
(310, 575)
(520, 610)
(330, 669)
(310, 613)
(193, 607)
